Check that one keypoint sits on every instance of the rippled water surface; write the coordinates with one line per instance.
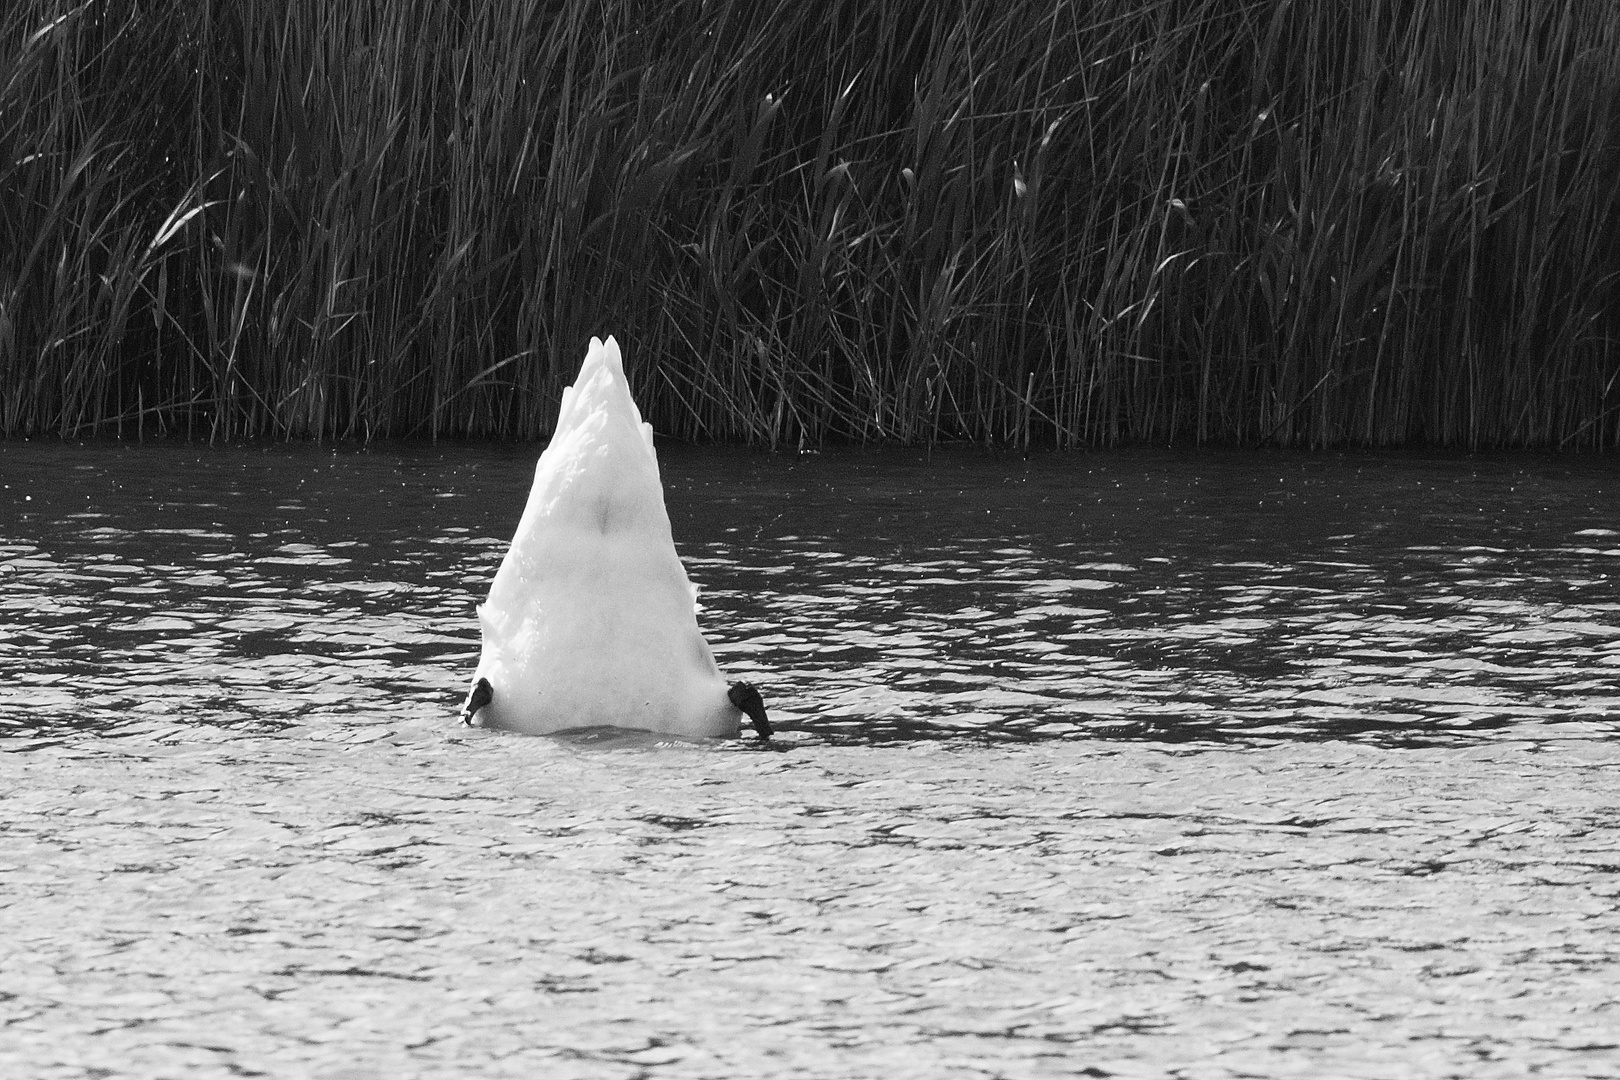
(1134, 764)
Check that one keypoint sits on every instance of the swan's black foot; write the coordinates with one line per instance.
(480, 695)
(745, 697)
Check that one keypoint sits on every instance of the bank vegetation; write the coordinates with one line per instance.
(1045, 224)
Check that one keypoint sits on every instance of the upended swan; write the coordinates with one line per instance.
(591, 620)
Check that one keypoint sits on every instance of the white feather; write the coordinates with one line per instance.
(591, 618)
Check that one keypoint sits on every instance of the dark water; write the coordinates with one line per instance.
(1144, 763)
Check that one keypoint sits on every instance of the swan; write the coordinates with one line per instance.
(591, 620)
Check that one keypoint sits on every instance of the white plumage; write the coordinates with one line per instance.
(591, 619)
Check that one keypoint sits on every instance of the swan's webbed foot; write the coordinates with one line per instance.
(745, 697)
(480, 695)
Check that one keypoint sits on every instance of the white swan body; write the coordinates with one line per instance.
(591, 619)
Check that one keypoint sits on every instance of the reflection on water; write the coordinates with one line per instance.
(1249, 764)
(877, 596)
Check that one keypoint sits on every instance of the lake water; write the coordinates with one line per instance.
(1128, 764)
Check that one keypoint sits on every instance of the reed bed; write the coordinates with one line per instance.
(1116, 221)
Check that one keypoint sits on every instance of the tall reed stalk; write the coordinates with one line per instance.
(1022, 224)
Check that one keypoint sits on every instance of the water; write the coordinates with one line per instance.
(1145, 764)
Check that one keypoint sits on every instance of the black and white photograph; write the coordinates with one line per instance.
(860, 540)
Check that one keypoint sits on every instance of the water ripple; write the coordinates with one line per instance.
(1343, 616)
(1125, 765)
